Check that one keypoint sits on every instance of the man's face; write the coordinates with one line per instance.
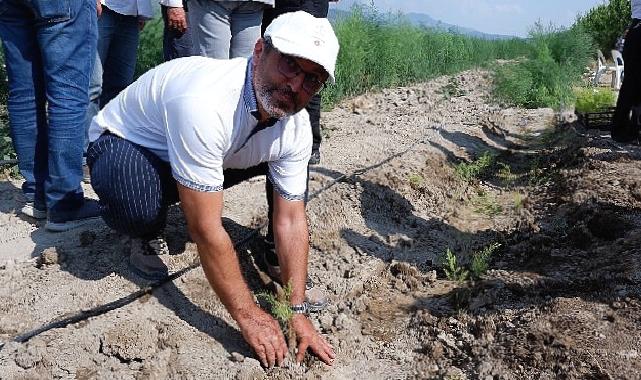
(284, 84)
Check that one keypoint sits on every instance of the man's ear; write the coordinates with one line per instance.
(259, 48)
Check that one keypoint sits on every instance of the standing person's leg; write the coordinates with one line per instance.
(119, 64)
(106, 29)
(67, 34)
(26, 103)
(314, 110)
(245, 28)
(175, 44)
(630, 93)
(210, 27)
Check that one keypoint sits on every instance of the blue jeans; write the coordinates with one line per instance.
(115, 61)
(225, 29)
(49, 49)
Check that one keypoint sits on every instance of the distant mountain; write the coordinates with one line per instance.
(426, 21)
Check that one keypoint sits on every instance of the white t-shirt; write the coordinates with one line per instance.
(636, 8)
(196, 114)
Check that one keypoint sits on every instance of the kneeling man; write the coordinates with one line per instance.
(194, 126)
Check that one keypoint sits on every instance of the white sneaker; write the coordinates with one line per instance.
(30, 210)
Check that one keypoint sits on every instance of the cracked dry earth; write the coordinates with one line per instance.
(560, 300)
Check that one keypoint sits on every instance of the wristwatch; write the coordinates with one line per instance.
(300, 308)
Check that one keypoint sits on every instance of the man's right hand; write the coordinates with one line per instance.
(264, 335)
(177, 19)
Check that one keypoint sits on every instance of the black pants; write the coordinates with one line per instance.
(630, 93)
(317, 8)
(136, 187)
(175, 44)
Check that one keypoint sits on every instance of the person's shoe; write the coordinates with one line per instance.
(315, 297)
(30, 210)
(86, 174)
(144, 258)
(314, 159)
(88, 212)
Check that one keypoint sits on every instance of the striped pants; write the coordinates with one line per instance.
(136, 187)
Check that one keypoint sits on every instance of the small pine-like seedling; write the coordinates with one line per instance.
(480, 260)
(486, 204)
(505, 174)
(518, 202)
(416, 181)
(475, 169)
(281, 310)
(453, 271)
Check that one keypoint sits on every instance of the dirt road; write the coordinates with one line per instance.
(561, 298)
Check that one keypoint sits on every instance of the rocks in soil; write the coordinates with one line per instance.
(130, 340)
(236, 357)
(49, 256)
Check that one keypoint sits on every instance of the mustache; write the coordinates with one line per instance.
(284, 91)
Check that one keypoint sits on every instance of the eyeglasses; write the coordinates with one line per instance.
(290, 69)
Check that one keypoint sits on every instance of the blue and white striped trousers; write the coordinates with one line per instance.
(136, 187)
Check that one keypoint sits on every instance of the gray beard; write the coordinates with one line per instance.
(271, 106)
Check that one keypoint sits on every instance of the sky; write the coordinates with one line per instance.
(510, 17)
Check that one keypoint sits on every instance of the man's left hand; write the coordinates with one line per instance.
(308, 337)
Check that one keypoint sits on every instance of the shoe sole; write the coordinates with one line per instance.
(146, 275)
(33, 212)
(66, 226)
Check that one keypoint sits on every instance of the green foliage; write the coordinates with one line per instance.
(416, 181)
(606, 22)
(280, 306)
(518, 202)
(592, 99)
(505, 174)
(481, 259)
(452, 89)
(150, 47)
(453, 271)
(386, 51)
(486, 204)
(553, 67)
(475, 169)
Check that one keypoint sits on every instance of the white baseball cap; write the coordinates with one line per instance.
(302, 35)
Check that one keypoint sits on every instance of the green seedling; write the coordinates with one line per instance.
(481, 259)
(416, 181)
(280, 305)
(475, 169)
(453, 271)
(486, 204)
(452, 89)
(518, 202)
(505, 174)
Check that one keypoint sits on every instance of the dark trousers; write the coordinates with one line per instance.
(175, 44)
(136, 187)
(630, 93)
(317, 8)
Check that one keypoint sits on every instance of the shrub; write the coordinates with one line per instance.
(546, 77)
(380, 51)
(481, 259)
(606, 22)
(453, 271)
(593, 99)
(475, 169)
(150, 47)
